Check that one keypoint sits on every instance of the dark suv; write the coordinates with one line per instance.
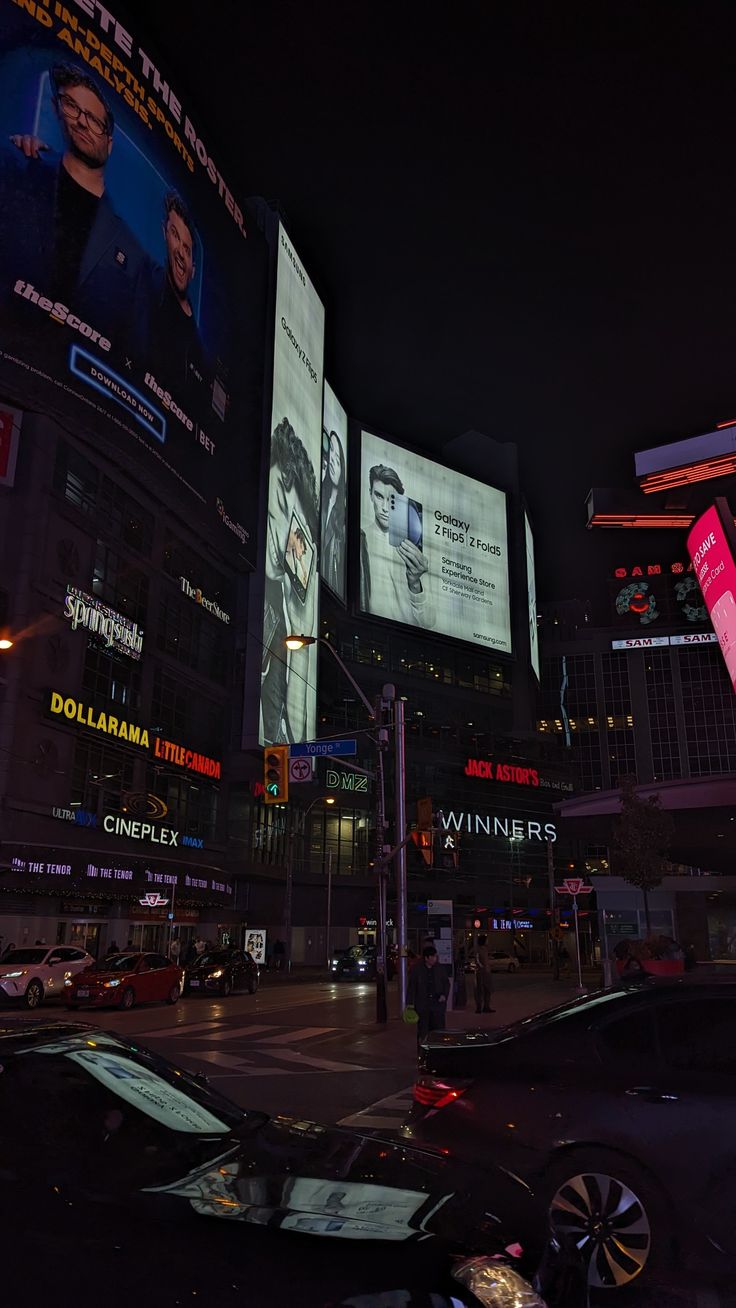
(221, 971)
(619, 1109)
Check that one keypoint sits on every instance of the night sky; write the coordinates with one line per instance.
(520, 217)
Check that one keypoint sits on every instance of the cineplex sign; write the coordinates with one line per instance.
(109, 724)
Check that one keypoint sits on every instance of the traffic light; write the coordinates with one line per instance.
(276, 774)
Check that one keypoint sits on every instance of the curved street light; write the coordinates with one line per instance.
(299, 642)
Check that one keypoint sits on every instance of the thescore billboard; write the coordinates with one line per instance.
(433, 547)
(132, 283)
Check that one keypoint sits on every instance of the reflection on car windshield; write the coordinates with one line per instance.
(217, 956)
(118, 963)
(24, 956)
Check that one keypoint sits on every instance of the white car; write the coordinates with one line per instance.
(503, 962)
(37, 972)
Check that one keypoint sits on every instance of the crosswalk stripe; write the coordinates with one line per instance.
(397, 1108)
(165, 1033)
(237, 1066)
(234, 1032)
(301, 1033)
(324, 1064)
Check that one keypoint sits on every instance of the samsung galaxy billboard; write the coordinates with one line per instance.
(132, 285)
(433, 547)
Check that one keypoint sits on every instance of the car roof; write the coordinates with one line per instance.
(596, 1004)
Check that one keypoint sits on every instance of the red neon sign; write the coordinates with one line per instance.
(490, 771)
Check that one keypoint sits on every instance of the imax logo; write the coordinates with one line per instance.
(194, 842)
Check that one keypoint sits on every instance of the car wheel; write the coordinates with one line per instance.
(127, 999)
(613, 1214)
(34, 995)
(173, 995)
(252, 984)
(226, 988)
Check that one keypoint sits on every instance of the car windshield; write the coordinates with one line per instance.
(118, 963)
(24, 956)
(217, 956)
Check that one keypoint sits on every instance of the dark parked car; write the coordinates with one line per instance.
(619, 1109)
(130, 1162)
(355, 964)
(221, 971)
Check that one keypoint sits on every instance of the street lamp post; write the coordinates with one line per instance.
(294, 642)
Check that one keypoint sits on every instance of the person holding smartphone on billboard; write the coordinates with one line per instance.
(291, 589)
(394, 573)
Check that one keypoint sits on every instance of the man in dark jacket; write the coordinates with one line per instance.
(427, 992)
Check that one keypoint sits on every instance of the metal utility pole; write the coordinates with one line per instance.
(328, 948)
(553, 919)
(289, 887)
(401, 886)
(381, 744)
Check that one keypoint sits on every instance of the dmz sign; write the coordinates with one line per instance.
(346, 781)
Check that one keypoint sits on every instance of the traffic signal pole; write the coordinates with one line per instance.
(401, 882)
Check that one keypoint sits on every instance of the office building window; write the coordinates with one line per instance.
(111, 678)
(709, 707)
(75, 478)
(619, 722)
(119, 583)
(101, 776)
(662, 716)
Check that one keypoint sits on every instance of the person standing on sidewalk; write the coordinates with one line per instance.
(483, 977)
(427, 992)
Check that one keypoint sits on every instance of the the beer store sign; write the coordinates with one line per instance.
(114, 630)
(110, 724)
(210, 606)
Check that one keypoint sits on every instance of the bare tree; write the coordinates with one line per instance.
(641, 840)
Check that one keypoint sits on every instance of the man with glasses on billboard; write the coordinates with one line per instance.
(59, 232)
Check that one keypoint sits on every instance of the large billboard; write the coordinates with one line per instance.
(711, 543)
(531, 592)
(291, 607)
(433, 547)
(333, 559)
(132, 283)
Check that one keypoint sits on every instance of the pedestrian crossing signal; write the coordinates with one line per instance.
(276, 774)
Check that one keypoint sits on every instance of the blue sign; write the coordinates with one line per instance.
(323, 748)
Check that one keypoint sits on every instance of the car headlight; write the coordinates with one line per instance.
(108, 984)
(67, 980)
(495, 1285)
(9, 974)
(218, 973)
(334, 962)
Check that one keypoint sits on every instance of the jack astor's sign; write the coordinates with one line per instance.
(131, 732)
(490, 771)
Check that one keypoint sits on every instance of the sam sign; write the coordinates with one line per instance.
(711, 544)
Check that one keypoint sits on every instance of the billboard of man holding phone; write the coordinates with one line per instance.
(433, 547)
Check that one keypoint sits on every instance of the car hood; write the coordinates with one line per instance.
(88, 975)
(329, 1181)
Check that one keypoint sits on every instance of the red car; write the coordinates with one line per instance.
(125, 980)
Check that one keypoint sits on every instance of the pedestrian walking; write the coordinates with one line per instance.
(483, 977)
(191, 953)
(279, 950)
(175, 949)
(200, 945)
(427, 992)
(112, 948)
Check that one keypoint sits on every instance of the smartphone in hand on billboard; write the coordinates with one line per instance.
(299, 556)
(404, 520)
(723, 617)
